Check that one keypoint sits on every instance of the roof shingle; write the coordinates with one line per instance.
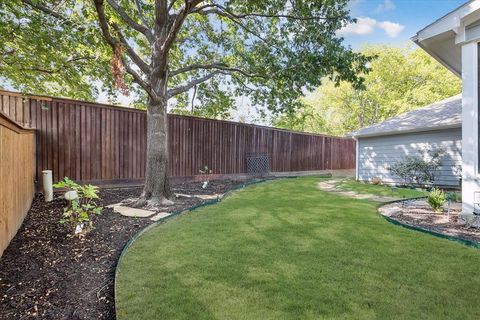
(442, 114)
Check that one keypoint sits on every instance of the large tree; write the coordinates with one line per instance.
(270, 50)
(401, 79)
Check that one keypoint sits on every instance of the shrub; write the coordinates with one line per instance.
(436, 199)
(418, 170)
(80, 208)
(453, 197)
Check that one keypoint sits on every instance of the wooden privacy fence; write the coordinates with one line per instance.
(93, 142)
(17, 176)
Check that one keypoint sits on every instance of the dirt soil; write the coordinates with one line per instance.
(45, 273)
(419, 214)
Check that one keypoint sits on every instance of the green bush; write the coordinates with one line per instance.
(418, 170)
(436, 199)
(453, 197)
(78, 211)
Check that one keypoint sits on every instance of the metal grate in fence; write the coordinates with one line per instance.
(258, 164)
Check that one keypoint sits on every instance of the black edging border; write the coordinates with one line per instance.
(468, 243)
(177, 213)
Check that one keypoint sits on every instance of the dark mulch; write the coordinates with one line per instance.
(45, 273)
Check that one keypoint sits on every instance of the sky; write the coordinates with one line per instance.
(391, 22)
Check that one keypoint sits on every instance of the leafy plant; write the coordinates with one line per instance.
(205, 176)
(418, 170)
(436, 199)
(81, 207)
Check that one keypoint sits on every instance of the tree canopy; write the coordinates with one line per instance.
(271, 51)
(400, 80)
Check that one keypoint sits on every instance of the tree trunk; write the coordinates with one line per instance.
(157, 189)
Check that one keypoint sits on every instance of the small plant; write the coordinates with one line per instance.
(436, 199)
(205, 176)
(81, 205)
(452, 197)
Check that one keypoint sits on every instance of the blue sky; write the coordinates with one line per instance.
(393, 21)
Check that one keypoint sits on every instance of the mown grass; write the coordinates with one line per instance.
(286, 250)
(379, 190)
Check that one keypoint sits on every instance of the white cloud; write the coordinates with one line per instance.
(392, 29)
(387, 5)
(366, 25)
(362, 27)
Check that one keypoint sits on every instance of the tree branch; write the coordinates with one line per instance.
(138, 79)
(196, 67)
(142, 65)
(46, 10)
(191, 84)
(263, 15)
(219, 66)
(177, 23)
(99, 7)
(132, 23)
(140, 13)
(229, 16)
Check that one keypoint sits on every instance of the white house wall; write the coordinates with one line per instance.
(377, 154)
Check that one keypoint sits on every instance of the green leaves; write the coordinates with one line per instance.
(59, 54)
(436, 199)
(78, 210)
(400, 80)
(271, 51)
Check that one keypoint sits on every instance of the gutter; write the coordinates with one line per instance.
(413, 130)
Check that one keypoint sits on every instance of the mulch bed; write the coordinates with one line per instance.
(45, 273)
(419, 214)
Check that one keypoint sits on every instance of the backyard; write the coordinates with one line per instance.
(196, 159)
(286, 250)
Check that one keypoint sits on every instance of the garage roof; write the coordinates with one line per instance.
(439, 115)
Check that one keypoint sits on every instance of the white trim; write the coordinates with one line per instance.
(395, 132)
(452, 21)
(356, 159)
(470, 179)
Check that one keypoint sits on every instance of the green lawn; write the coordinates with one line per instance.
(379, 190)
(286, 250)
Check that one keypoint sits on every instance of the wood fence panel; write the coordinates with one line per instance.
(93, 142)
(17, 169)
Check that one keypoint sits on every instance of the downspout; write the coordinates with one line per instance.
(356, 159)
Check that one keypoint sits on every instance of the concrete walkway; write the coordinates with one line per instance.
(331, 186)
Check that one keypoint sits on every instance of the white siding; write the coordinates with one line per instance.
(377, 154)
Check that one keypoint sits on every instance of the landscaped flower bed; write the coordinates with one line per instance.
(418, 213)
(47, 273)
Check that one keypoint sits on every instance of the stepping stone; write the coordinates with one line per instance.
(178, 195)
(113, 205)
(390, 210)
(133, 212)
(208, 196)
(160, 215)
